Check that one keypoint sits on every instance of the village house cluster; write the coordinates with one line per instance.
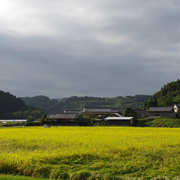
(102, 115)
(109, 115)
(98, 114)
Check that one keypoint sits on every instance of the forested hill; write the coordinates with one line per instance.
(167, 96)
(77, 103)
(41, 102)
(10, 103)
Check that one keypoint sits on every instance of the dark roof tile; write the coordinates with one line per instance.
(160, 109)
(62, 116)
(73, 111)
(100, 109)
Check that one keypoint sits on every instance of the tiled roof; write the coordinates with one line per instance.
(62, 116)
(100, 109)
(73, 111)
(160, 109)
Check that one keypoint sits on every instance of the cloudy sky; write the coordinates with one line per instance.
(106, 48)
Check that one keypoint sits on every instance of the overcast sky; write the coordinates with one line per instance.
(106, 48)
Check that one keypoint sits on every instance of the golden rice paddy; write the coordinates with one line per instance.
(90, 152)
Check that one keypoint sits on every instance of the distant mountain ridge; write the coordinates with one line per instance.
(77, 103)
(167, 96)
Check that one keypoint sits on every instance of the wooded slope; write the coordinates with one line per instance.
(167, 96)
(77, 103)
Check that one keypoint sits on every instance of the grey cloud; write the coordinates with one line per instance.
(111, 48)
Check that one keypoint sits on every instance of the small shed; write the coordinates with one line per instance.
(117, 119)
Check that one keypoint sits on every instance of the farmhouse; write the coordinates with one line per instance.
(161, 112)
(65, 119)
(99, 111)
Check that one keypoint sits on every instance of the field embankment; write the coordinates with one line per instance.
(90, 152)
(159, 122)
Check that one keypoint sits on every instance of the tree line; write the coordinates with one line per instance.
(167, 96)
(12, 107)
(77, 103)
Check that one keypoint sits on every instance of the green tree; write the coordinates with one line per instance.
(30, 119)
(10, 103)
(43, 118)
(129, 112)
(152, 102)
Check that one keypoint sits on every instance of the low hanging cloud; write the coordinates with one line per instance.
(94, 48)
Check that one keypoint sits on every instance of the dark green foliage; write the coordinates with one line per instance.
(30, 119)
(24, 114)
(166, 122)
(85, 120)
(129, 112)
(41, 102)
(43, 119)
(167, 96)
(10, 103)
(152, 102)
(12, 107)
(159, 122)
(77, 103)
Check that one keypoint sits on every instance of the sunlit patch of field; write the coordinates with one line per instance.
(90, 152)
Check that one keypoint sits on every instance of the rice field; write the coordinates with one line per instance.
(91, 152)
(12, 177)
